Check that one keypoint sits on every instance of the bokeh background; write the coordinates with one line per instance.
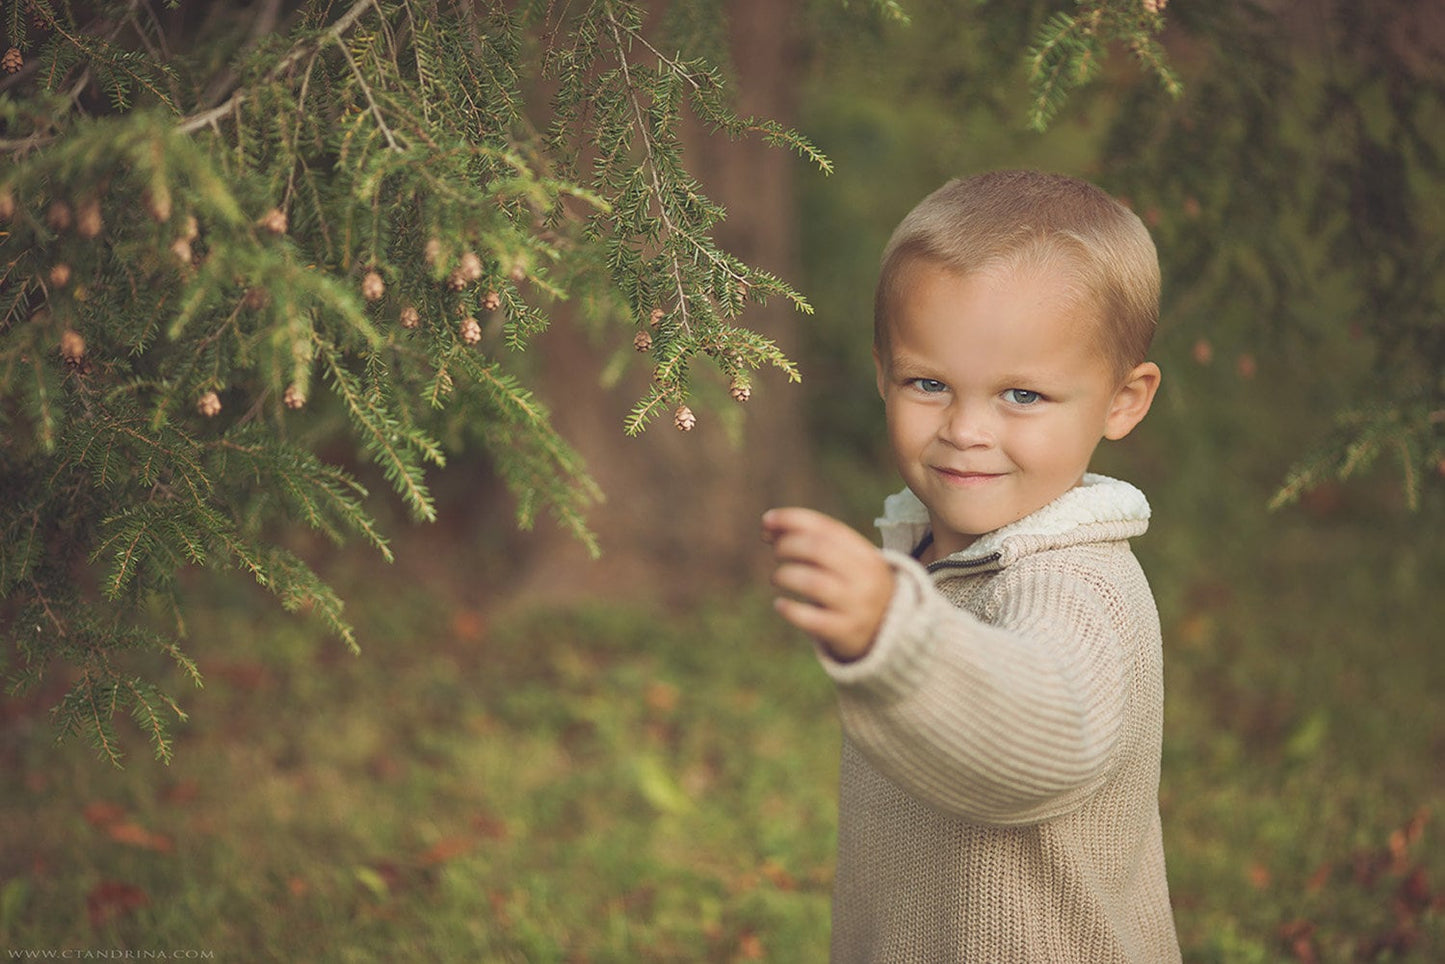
(541, 757)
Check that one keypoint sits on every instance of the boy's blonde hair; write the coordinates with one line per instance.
(1029, 219)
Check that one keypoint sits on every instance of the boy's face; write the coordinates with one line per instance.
(996, 395)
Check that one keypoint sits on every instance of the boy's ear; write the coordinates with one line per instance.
(878, 368)
(1132, 400)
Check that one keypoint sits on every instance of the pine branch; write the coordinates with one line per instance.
(333, 34)
(381, 221)
(1069, 51)
(382, 437)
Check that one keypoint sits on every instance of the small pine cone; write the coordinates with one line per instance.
(274, 221)
(471, 331)
(372, 287)
(88, 222)
(181, 248)
(59, 275)
(740, 391)
(643, 341)
(255, 298)
(58, 216)
(72, 346)
(410, 317)
(684, 419)
(192, 228)
(12, 61)
(159, 205)
(7, 204)
(433, 251)
(656, 317)
(209, 404)
(470, 266)
(456, 280)
(293, 398)
(518, 273)
(491, 301)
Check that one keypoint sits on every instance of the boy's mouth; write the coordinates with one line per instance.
(962, 477)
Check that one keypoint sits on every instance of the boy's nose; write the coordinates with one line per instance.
(967, 426)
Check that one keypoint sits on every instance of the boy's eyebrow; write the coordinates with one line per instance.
(901, 359)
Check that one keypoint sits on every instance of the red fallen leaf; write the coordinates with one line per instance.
(778, 876)
(111, 899)
(244, 676)
(1320, 878)
(1415, 892)
(500, 908)
(1399, 848)
(134, 834)
(1299, 936)
(385, 768)
(102, 813)
(489, 826)
(468, 626)
(182, 792)
(750, 947)
(446, 849)
(661, 697)
(1259, 876)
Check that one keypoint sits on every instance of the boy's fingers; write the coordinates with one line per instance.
(837, 633)
(794, 518)
(818, 586)
(814, 621)
(796, 546)
(805, 535)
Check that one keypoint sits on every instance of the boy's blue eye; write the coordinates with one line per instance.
(930, 386)
(1022, 396)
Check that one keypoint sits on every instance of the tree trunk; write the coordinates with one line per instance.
(682, 509)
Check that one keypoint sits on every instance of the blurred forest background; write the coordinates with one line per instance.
(538, 756)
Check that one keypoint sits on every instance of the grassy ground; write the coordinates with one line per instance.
(602, 785)
(613, 785)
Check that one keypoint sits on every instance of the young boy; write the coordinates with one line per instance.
(998, 663)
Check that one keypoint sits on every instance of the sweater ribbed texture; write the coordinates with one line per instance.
(1000, 772)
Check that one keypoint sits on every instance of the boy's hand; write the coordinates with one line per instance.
(837, 582)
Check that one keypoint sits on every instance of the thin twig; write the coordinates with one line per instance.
(366, 89)
(676, 68)
(684, 319)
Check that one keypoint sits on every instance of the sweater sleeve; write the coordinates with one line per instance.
(1008, 722)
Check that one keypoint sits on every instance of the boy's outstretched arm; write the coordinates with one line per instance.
(838, 585)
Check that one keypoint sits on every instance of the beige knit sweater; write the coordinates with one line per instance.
(1000, 770)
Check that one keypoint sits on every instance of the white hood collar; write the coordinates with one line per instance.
(1096, 499)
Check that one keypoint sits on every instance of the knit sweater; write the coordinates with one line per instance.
(1000, 769)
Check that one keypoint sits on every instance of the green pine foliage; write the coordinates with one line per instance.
(1297, 186)
(225, 240)
(1071, 48)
